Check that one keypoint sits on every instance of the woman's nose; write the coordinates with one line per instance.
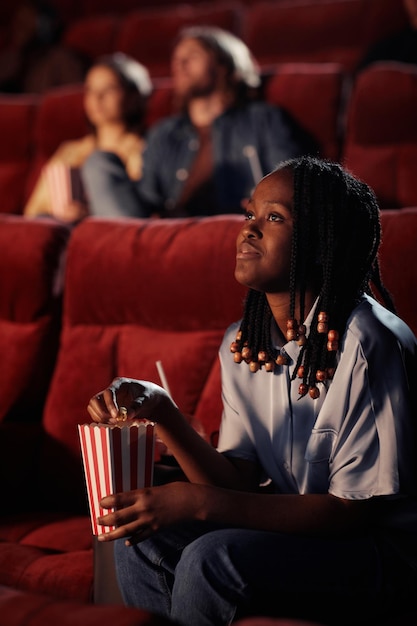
(251, 230)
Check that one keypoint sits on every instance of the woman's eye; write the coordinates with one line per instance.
(249, 216)
(274, 217)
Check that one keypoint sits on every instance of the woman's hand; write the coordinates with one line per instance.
(74, 211)
(140, 513)
(142, 399)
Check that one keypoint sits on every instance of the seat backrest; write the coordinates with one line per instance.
(92, 36)
(381, 132)
(161, 101)
(142, 291)
(17, 115)
(148, 35)
(60, 117)
(313, 94)
(97, 7)
(397, 258)
(31, 264)
(136, 292)
(319, 30)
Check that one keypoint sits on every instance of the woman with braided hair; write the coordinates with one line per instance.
(307, 508)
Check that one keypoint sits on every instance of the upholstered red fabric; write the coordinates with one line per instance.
(59, 117)
(148, 35)
(161, 101)
(30, 298)
(398, 266)
(19, 608)
(381, 132)
(136, 291)
(17, 114)
(317, 30)
(312, 93)
(67, 575)
(139, 291)
(93, 36)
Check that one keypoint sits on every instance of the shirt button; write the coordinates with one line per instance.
(182, 174)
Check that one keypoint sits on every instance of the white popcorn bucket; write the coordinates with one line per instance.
(116, 458)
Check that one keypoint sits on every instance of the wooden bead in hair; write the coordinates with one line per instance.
(281, 359)
(246, 353)
(302, 389)
(332, 340)
(321, 376)
(314, 392)
(302, 339)
(322, 325)
(292, 326)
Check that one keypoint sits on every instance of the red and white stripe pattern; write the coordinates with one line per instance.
(64, 185)
(115, 458)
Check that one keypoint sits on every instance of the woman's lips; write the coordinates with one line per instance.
(247, 251)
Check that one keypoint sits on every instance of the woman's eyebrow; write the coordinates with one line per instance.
(278, 203)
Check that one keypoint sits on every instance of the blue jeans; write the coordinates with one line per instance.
(203, 575)
(109, 190)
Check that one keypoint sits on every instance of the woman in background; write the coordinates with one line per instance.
(116, 89)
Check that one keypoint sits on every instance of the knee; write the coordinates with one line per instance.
(202, 561)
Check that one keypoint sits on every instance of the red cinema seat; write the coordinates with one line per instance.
(126, 305)
(161, 102)
(17, 114)
(100, 328)
(399, 243)
(19, 608)
(45, 536)
(381, 132)
(60, 117)
(148, 35)
(313, 94)
(93, 8)
(93, 36)
(30, 312)
(338, 31)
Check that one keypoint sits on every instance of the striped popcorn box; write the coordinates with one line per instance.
(116, 458)
(64, 185)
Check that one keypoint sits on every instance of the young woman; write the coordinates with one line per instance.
(116, 89)
(307, 508)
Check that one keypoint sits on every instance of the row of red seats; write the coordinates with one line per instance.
(276, 31)
(53, 361)
(281, 31)
(369, 125)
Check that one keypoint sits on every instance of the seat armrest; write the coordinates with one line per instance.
(20, 449)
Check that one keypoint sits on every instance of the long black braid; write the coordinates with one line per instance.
(335, 242)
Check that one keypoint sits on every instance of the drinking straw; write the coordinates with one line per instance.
(162, 377)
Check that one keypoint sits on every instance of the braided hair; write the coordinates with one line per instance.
(335, 242)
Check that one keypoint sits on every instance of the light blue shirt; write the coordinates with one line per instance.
(355, 441)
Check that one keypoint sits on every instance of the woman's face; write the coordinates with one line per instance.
(264, 243)
(103, 96)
